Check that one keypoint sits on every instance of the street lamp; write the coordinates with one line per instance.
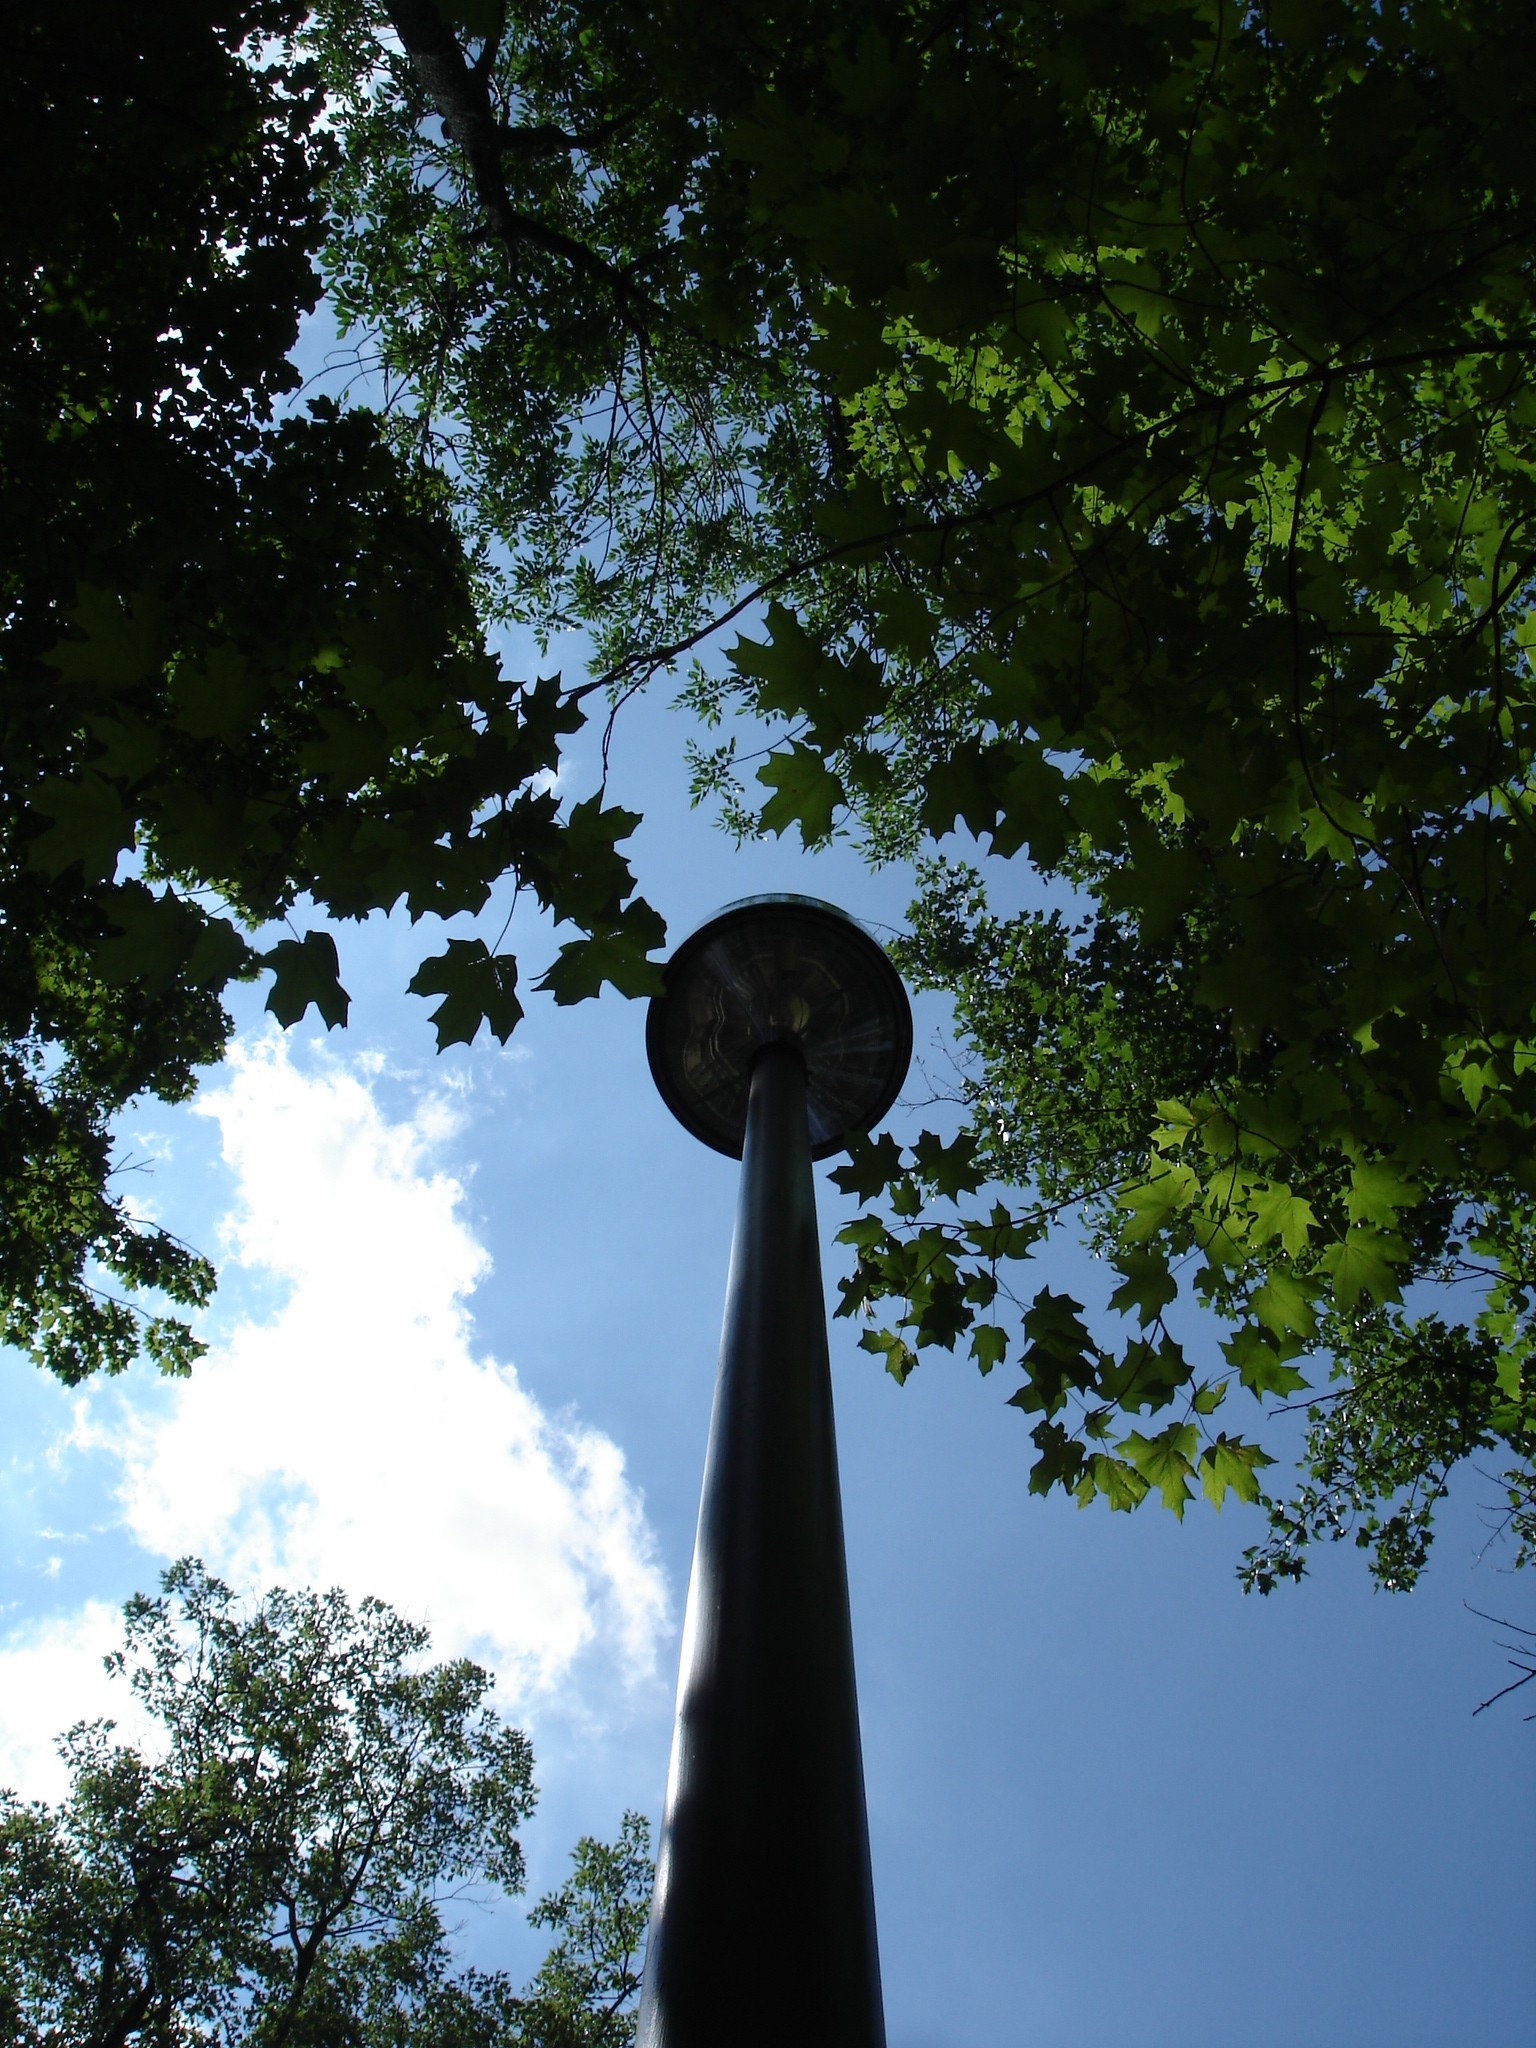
(783, 1030)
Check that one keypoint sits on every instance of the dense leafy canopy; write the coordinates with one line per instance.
(274, 1870)
(547, 258)
(243, 671)
(1121, 417)
(1187, 382)
(1169, 528)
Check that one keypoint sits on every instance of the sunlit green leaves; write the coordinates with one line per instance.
(1366, 1263)
(896, 1354)
(1166, 1461)
(1229, 1465)
(1284, 1305)
(1279, 1213)
(1152, 1203)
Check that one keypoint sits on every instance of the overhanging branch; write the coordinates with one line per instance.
(461, 95)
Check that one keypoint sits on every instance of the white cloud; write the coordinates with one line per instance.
(352, 1436)
(52, 1676)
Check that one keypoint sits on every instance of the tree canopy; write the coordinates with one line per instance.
(274, 1868)
(1112, 429)
(243, 667)
(1194, 400)
(1167, 527)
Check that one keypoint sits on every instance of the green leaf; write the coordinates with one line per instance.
(1060, 1462)
(806, 793)
(864, 1231)
(1166, 1461)
(900, 1358)
(1054, 1321)
(1365, 1262)
(156, 937)
(89, 825)
(940, 1311)
(1116, 1480)
(477, 986)
(1284, 1306)
(306, 971)
(219, 698)
(950, 1170)
(1033, 812)
(617, 955)
(958, 786)
(1153, 1203)
(1281, 1214)
(1259, 1364)
(872, 1164)
(114, 643)
(1231, 1463)
(1003, 1235)
(1059, 1354)
(1147, 1376)
(1147, 1287)
(1378, 1189)
(150, 937)
(1177, 1124)
(981, 1288)
(989, 1346)
(794, 677)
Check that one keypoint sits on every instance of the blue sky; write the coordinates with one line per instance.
(462, 1357)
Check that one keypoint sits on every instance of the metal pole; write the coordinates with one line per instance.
(763, 1920)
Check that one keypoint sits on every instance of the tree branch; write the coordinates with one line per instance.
(461, 96)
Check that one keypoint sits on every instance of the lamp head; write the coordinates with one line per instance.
(779, 970)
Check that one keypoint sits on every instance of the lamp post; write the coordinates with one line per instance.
(783, 1029)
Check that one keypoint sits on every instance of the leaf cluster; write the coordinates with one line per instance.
(244, 677)
(275, 1872)
(540, 246)
(1186, 380)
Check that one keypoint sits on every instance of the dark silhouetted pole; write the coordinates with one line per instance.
(763, 1924)
(781, 1031)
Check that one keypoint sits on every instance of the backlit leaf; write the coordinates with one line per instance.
(306, 971)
